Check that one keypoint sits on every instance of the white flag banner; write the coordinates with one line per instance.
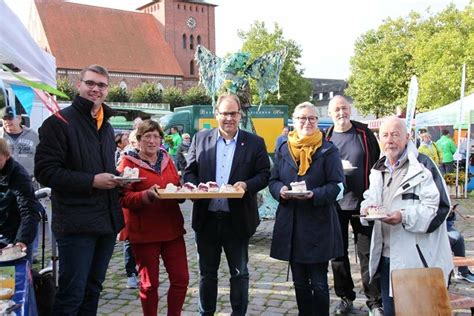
(411, 106)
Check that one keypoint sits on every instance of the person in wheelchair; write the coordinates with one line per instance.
(19, 208)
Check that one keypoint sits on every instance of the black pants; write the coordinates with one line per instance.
(341, 268)
(311, 288)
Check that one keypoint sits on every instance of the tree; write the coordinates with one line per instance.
(432, 48)
(148, 92)
(173, 96)
(294, 89)
(65, 86)
(118, 94)
(196, 95)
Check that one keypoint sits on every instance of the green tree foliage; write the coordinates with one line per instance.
(118, 94)
(65, 86)
(433, 48)
(148, 92)
(196, 95)
(174, 96)
(294, 89)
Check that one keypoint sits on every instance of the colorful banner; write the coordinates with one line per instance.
(411, 106)
(25, 95)
(36, 85)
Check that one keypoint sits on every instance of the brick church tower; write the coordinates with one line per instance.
(185, 24)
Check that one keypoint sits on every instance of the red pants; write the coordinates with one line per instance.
(147, 257)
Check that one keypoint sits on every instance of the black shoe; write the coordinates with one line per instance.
(344, 307)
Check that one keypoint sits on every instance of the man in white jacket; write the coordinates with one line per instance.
(411, 189)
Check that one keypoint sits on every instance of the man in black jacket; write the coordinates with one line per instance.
(19, 208)
(75, 158)
(358, 145)
(226, 155)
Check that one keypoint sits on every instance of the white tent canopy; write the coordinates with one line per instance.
(448, 114)
(17, 47)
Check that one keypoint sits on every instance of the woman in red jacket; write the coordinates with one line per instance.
(153, 226)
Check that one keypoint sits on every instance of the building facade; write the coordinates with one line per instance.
(154, 43)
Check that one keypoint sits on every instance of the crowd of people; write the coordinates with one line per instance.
(79, 157)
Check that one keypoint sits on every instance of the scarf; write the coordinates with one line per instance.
(302, 149)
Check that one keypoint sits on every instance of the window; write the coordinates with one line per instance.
(160, 87)
(179, 7)
(320, 96)
(123, 85)
(199, 39)
(191, 67)
(184, 41)
(202, 9)
(184, 7)
(191, 42)
(331, 94)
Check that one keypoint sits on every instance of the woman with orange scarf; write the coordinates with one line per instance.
(306, 231)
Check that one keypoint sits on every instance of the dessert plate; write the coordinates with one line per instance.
(9, 258)
(348, 171)
(126, 179)
(296, 193)
(374, 217)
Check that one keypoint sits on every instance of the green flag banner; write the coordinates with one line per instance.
(37, 85)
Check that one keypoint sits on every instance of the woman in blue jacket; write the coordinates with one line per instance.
(307, 232)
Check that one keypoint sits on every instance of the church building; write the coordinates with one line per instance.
(154, 43)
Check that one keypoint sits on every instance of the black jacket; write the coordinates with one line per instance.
(371, 148)
(308, 231)
(19, 208)
(68, 157)
(250, 164)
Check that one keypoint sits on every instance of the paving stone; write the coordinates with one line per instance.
(270, 292)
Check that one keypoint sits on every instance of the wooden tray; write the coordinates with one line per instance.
(201, 195)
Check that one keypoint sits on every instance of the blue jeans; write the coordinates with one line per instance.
(82, 268)
(311, 288)
(129, 260)
(456, 241)
(387, 300)
(216, 234)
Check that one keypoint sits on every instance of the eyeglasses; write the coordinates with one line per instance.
(91, 84)
(231, 114)
(303, 119)
(149, 137)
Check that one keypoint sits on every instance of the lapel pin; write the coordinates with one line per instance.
(241, 144)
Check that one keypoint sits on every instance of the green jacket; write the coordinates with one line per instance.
(447, 147)
(177, 140)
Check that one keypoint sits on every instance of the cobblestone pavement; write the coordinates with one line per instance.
(270, 292)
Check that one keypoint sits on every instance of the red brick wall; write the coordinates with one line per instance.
(172, 15)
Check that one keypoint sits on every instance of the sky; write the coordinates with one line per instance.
(325, 30)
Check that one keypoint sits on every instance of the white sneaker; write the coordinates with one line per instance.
(132, 282)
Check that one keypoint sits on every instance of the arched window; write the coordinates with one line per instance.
(199, 39)
(123, 85)
(191, 67)
(184, 41)
(191, 42)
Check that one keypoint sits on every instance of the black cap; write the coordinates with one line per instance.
(7, 112)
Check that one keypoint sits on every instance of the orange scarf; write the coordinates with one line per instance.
(99, 117)
(302, 149)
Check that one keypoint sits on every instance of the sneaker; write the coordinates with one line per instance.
(132, 282)
(469, 277)
(344, 307)
(376, 311)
